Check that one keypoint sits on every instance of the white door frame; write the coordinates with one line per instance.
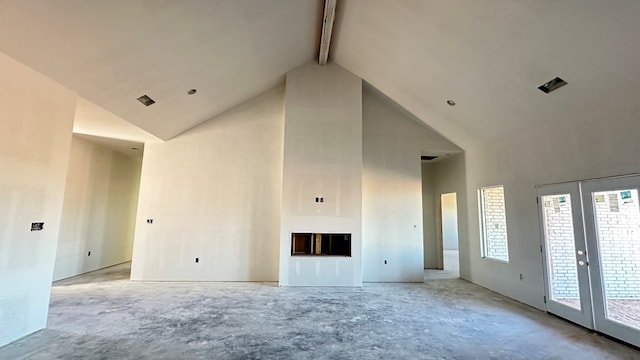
(584, 315)
(601, 322)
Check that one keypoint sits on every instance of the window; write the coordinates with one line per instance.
(321, 244)
(493, 222)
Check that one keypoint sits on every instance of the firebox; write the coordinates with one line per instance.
(320, 244)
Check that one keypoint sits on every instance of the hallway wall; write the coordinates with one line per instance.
(99, 211)
(430, 217)
(451, 177)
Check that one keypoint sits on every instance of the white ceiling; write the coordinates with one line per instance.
(132, 149)
(112, 52)
(488, 55)
(93, 120)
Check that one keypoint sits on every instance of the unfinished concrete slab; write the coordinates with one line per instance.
(104, 316)
(451, 268)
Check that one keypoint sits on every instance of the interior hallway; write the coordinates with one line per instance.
(451, 267)
(102, 315)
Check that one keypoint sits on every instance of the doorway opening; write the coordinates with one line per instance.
(449, 228)
(447, 240)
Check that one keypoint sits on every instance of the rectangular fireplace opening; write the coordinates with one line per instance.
(320, 244)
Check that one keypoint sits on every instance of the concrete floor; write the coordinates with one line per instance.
(104, 316)
(451, 267)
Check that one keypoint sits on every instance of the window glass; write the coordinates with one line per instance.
(493, 223)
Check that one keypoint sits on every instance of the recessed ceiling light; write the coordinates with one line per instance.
(552, 85)
(146, 100)
(451, 102)
(192, 91)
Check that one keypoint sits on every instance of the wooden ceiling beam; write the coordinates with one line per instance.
(327, 28)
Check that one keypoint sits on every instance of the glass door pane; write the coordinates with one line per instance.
(566, 274)
(612, 229)
(617, 222)
(561, 251)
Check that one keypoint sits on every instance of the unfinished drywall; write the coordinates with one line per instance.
(322, 158)
(451, 177)
(432, 252)
(394, 190)
(99, 211)
(602, 142)
(213, 194)
(36, 117)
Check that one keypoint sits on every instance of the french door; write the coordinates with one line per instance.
(591, 247)
(565, 258)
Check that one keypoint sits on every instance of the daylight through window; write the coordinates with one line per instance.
(493, 223)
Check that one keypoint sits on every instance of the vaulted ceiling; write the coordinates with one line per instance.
(489, 56)
(111, 52)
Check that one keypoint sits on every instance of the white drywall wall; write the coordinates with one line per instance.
(450, 177)
(432, 244)
(392, 204)
(99, 210)
(36, 117)
(322, 158)
(601, 143)
(214, 193)
(449, 215)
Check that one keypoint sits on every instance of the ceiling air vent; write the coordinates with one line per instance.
(552, 85)
(427, 157)
(146, 100)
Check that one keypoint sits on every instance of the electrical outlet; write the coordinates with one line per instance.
(149, 221)
(385, 262)
(37, 226)
(89, 253)
(521, 277)
(197, 260)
